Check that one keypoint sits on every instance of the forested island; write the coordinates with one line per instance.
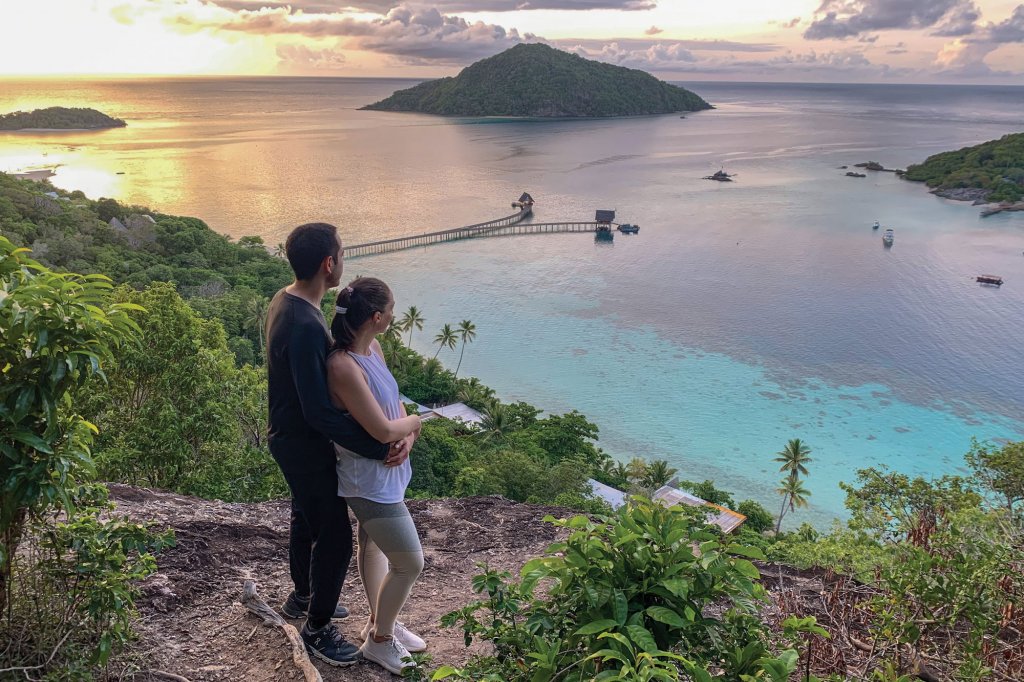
(59, 118)
(534, 80)
(989, 172)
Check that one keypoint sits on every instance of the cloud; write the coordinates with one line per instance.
(655, 57)
(791, 23)
(304, 58)
(445, 6)
(850, 18)
(411, 34)
(640, 44)
(1010, 30)
(868, 39)
(653, 31)
(961, 21)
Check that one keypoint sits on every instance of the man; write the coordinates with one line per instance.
(302, 424)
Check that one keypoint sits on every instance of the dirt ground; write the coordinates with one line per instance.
(193, 626)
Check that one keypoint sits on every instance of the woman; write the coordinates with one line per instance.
(360, 382)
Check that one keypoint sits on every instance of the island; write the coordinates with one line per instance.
(537, 81)
(988, 173)
(59, 118)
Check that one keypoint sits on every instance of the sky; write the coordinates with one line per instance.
(897, 41)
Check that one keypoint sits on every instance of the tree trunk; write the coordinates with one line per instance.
(11, 538)
(461, 353)
(782, 512)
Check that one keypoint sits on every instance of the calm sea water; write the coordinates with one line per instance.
(742, 315)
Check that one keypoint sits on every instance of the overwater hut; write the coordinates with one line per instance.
(604, 217)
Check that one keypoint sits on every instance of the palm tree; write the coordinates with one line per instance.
(256, 315)
(637, 469)
(496, 422)
(446, 337)
(794, 458)
(794, 495)
(621, 472)
(280, 251)
(658, 473)
(411, 319)
(467, 332)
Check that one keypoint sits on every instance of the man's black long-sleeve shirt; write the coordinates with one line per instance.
(303, 421)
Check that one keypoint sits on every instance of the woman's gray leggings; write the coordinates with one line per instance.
(386, 535)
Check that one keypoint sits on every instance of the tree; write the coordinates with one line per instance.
(637, 468)
(1001, 470)
(59, 332)
(759, 519)
(280, 251)
(794, 458)
(412, 320)
(794, 495)
(170, 404)
(658, 474)
(256, 316)
(446, 337)
(467, 333)
(496, 422)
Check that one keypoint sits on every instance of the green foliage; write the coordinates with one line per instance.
(996, 165)
(759, 519)
(623, 595)
(58, 118)
(74, 586)
(537, 80)
(59, 331)
(221, 278)
(944, 559)
(1000, 470)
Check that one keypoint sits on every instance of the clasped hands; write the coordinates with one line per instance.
(399, 450)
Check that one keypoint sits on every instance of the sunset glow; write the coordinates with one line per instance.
(789, 40)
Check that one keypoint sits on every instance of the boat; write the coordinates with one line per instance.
(720, 176)
(994, 280)
(629, 228)
(888, 237)
(875, 226)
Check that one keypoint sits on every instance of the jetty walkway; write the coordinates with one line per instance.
(500, 227)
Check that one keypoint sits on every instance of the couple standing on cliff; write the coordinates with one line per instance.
(342, 438)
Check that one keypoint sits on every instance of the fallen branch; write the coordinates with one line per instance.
(254, 603)
(167, 676)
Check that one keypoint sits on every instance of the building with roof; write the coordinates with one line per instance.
(717, 515)
(604, 216)
(615, 498)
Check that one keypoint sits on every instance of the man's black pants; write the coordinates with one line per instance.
(320, 546)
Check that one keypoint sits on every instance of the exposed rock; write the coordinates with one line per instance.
(851, 174)
(975, 194)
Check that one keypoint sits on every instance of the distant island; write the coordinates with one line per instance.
(991, 172)
(59, 118)
(534, 80)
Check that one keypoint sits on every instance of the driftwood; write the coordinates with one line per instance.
(255, 603)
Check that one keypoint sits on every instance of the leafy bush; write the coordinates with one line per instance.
(623, 595)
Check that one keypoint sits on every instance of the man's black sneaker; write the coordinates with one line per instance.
(294, 607)
(329, 646)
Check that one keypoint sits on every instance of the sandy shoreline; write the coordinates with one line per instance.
(34, 174)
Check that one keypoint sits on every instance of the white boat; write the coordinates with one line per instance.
(888, 236)
(875, 226)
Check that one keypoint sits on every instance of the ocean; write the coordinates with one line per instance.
(743, 314)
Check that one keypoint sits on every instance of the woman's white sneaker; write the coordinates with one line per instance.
(389, 654)
(409, 639)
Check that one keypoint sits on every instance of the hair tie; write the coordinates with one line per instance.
(340, 310)
(349, 290)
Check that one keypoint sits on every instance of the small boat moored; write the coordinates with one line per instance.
(994, 280)
(629, 228)
(888, 237)
(875, 226)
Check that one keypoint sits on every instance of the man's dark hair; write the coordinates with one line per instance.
(308, 245)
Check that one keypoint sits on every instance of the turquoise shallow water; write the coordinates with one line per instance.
(742, 315)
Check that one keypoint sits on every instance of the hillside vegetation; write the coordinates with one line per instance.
(539, 81)
(996, 165)
(59, 118)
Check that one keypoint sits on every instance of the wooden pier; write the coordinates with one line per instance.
(501, 227)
